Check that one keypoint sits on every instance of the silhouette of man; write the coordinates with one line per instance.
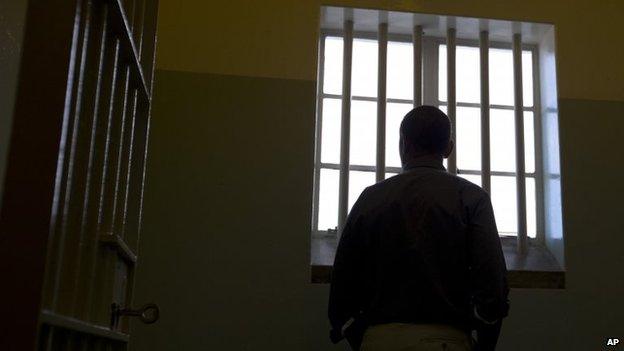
(419, 264)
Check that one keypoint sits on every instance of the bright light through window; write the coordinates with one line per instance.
(399, 90)
(502, 140)
(364, 70)
(363, 133)
(330, 152)
(332, 79)
(468, 125)
(328, 197)
(400, 72)
(358, 181)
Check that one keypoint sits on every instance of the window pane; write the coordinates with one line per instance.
(363, 147)
(332, 79)
(527, 78)
(468, 134)
(502, 140)
(358, 181)
(330, 138)
(503, 195)
(531, 207)
(442, 73)
(400, 71)
(501, 77)
(468, 82)
(475, 179)
(364, 68)
(394, 117)
(467, 74)
(529, 142)
(328, 199)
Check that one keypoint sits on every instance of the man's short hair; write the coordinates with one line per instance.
(427, 129)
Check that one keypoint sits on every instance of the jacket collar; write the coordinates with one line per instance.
(428, 164)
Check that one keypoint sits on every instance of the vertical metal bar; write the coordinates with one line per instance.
(148, 56)
(519, 125)
(430, 71)
(484, 57)
(129, 165)
(69, 256)
(137, 27)
(74, 89)
(116, 84)
(418, 61)
(107, 75)
(345, 126)
(319, 133)
(539, 165)
(381, 101)
(450, 95)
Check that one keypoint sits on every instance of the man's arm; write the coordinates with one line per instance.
(345, 289)
(488, 274)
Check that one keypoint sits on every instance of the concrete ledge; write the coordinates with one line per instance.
(517, 279)
(536, 270)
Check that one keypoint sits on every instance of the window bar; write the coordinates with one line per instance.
(319, 134)
(519, 125)
(539, 152)
(381, 102)
(418, 61)
(484, 57)
(345, 127)
(450, 64)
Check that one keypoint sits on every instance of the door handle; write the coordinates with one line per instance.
(148, 313)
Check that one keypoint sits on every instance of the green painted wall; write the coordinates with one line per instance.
(12, 16)
(225, 242)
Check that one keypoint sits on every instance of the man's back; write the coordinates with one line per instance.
(420, 247)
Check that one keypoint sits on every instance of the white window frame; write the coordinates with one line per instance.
(430, 97)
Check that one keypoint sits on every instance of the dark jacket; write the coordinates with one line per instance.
(420, 247)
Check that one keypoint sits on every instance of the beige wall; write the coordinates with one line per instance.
(278, 39)
(225, 239)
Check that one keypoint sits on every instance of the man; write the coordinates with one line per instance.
(419, 264)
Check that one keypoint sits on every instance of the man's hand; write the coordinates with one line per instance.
(487, 336)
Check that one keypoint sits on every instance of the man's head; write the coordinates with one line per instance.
(425, 133)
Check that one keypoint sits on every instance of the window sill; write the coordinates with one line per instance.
(537, 270)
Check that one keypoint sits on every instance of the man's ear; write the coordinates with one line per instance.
(449, 148)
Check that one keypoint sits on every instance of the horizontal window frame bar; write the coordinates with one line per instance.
(439, 103)
(360, 168)
(320, 233)
(494, 173)
(492, 106)
(408, 39)
(366, 98)
(372, 169)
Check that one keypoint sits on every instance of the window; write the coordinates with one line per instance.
(377, 106)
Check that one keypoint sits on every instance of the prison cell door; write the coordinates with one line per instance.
(71, 208)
